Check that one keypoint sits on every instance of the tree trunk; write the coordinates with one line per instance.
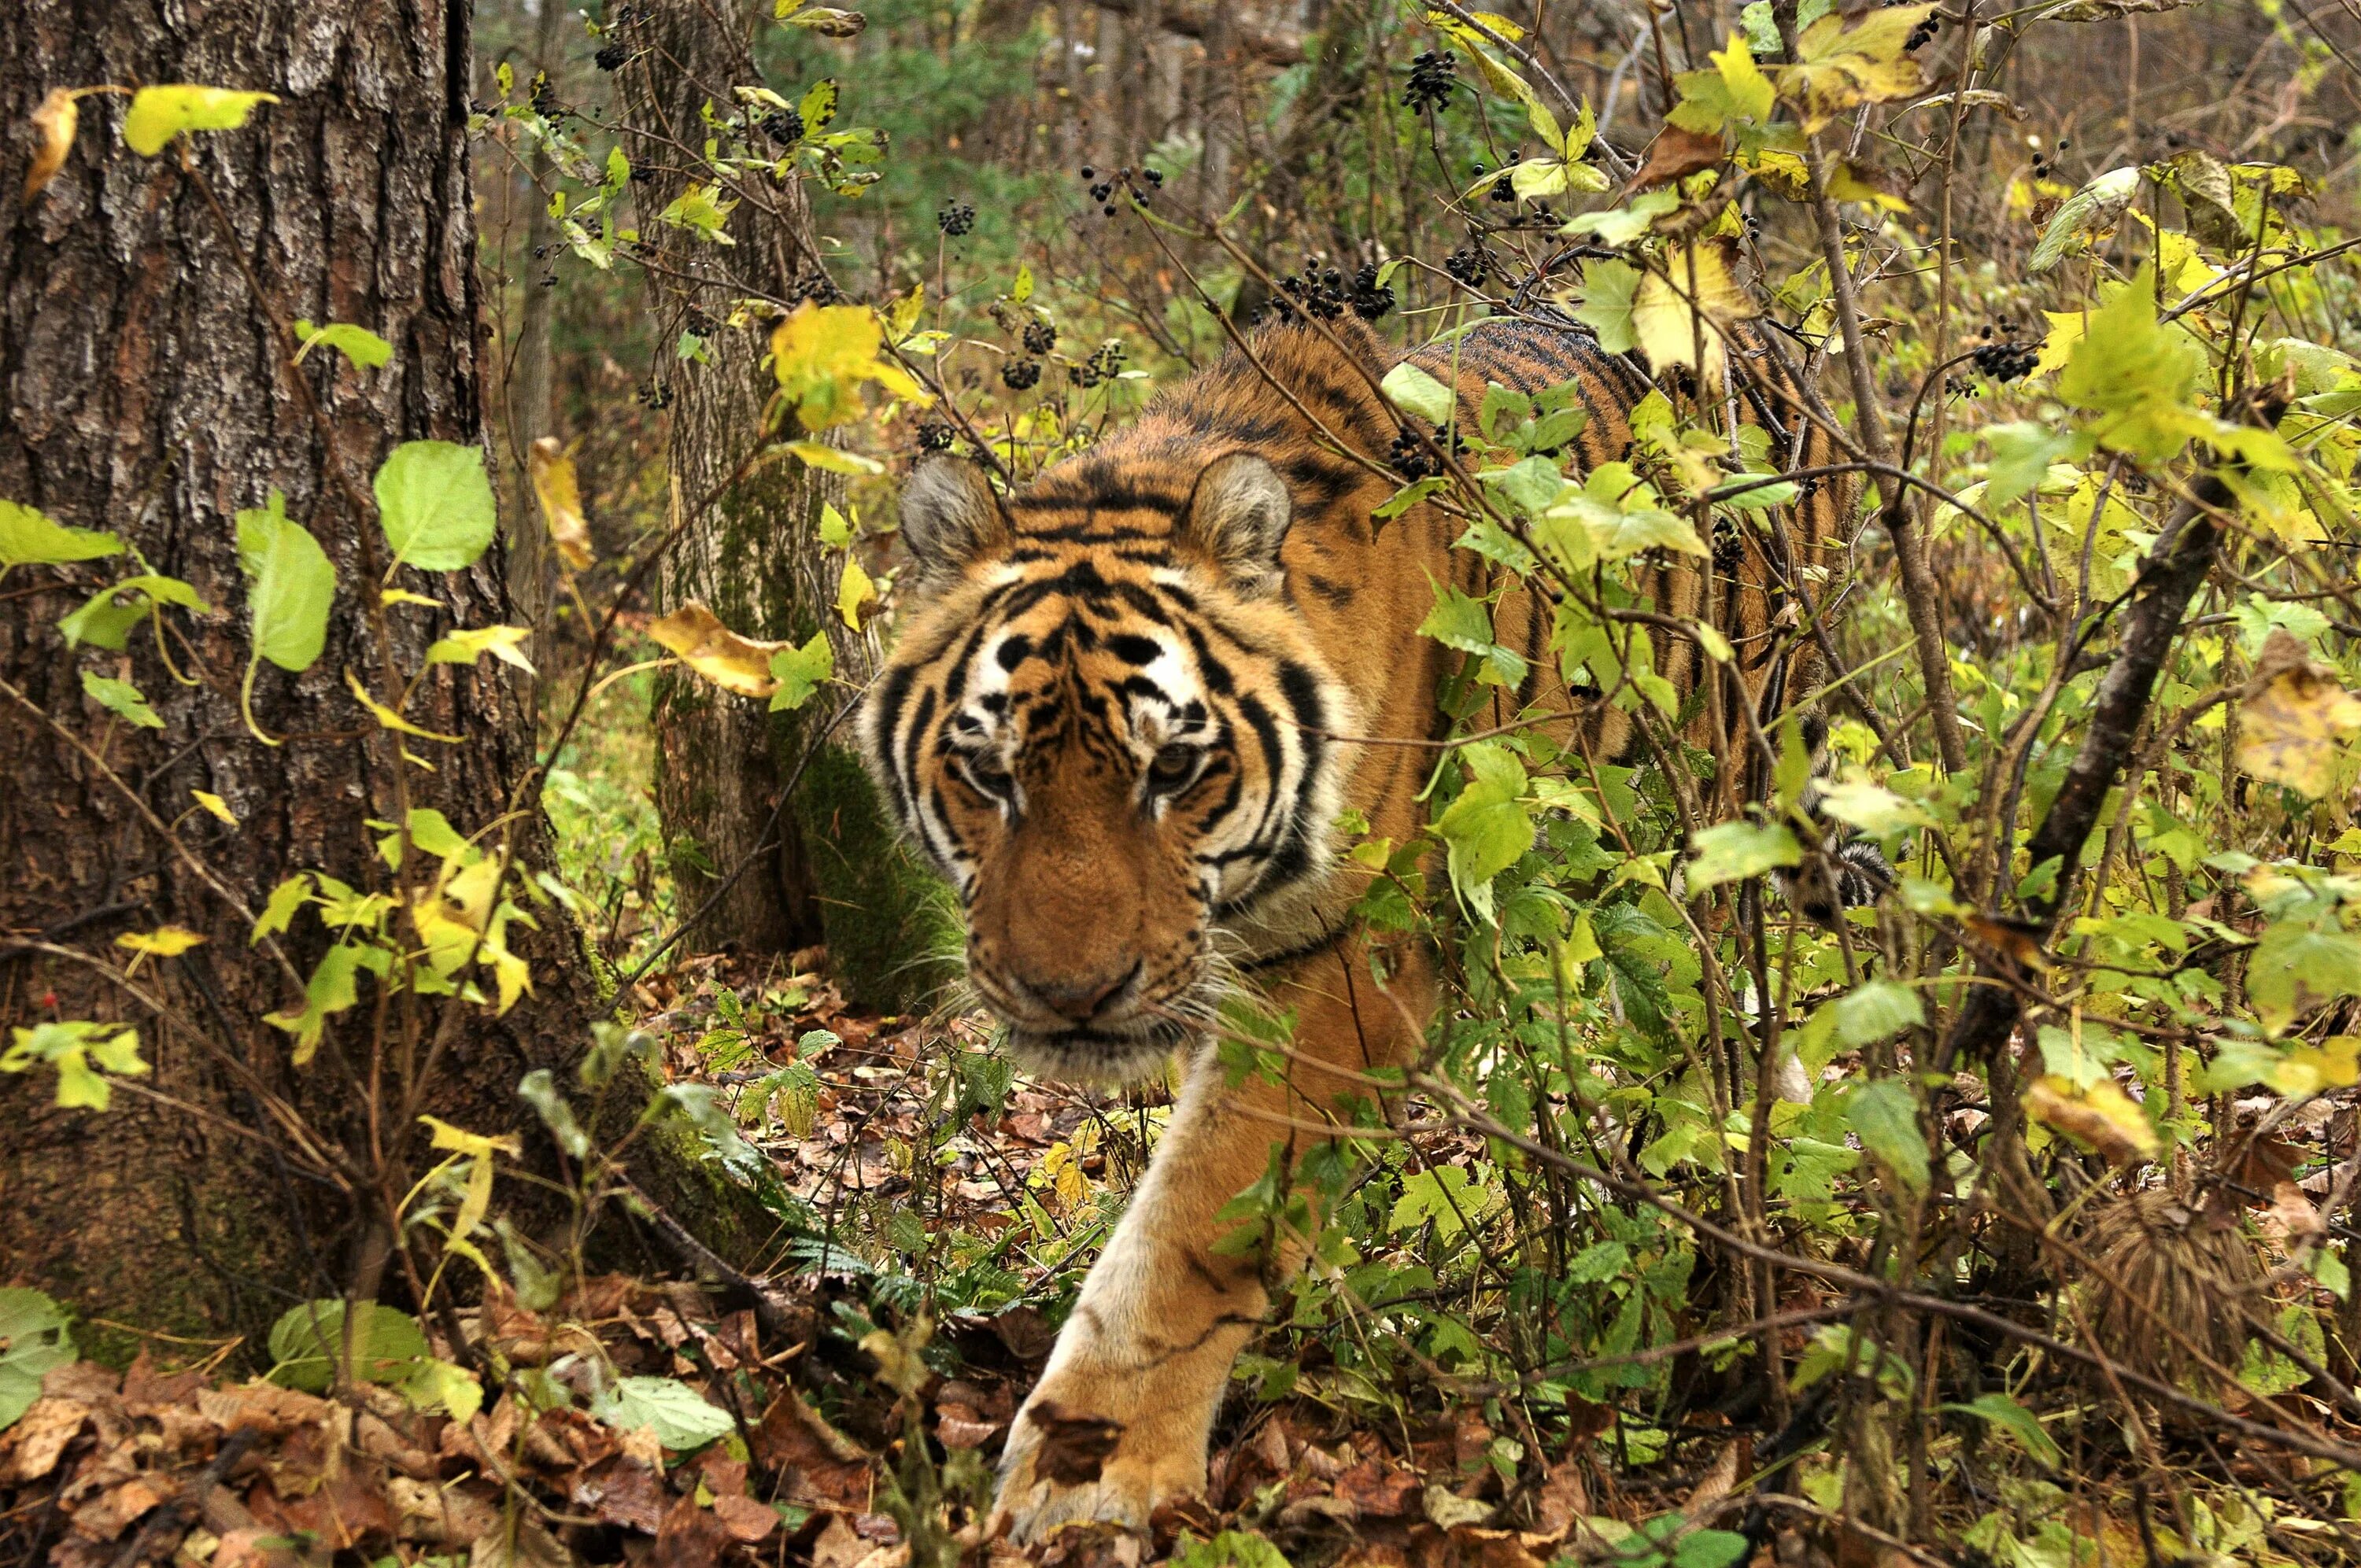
(827, 867)
(147, 392)
(532, 559)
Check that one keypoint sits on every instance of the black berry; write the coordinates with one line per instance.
(1432, 77)
(1039, 337)
(1020, 374)
(1368, 300)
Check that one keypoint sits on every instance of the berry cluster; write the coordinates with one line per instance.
(1432, 77)
(653, 394)
(1469, 264)
(1040, 336)
(784, 125)
(544, 99)
(611, 57)
(1020, 374)
(1106, 360)
(934, 437)
(1501, 190)
(1924, 33)
(2006, 361)
(2043, 168)
(956, 219)
(1140, 184)
(1413, 459)
(1370, 302)
(1314, 292)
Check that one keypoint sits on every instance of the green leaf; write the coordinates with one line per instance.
(121, 698)
(1732, 852)
(1608, 289)
(2090, 210)
(1877, 1009)
(539, 1089)
(285, 900)
(678, 1414)
(29, 538)
(1709, 1548)
(435, 504)
(2295, 969)
(358, 344)
(307, 1346)
(800, 672)
(160, 114)
(2018, 1421)
(1414, 391)
(293, 585)
(34, 1338)
(1487, 827)
(106, 618)
(70, 1046)
(1885, 1115)
(1735, 90)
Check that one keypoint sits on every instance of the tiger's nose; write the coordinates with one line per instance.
(1079, 1000)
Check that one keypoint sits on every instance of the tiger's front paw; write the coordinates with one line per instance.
(1065, 1466)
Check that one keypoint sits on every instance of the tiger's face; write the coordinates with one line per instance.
(1106, 730)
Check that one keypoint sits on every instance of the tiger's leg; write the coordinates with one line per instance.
(1120, 1420)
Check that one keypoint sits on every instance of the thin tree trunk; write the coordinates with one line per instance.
(147, 393)
(829, 868)
(1219, 110)
(532, 560)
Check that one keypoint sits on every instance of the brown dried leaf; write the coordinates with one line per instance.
(622, 1491)
(735, 663)
(40, 1436)
(1674, 155)
(793, 1439)
(1378, 1490)
(745, 1518)
(53, 134)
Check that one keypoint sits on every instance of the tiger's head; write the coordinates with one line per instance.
(1109, 732)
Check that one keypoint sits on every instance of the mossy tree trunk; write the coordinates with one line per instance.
(147, 392)
(824, 868)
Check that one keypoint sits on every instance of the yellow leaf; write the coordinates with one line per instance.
(822, 354)
(2304, 1070)
(2102, 1118)
(404, 596)
(164, 942)
(2294, 720)
(735, 663)
(215, 805)
(904, 314)
(53, 133)
(1664, 325)
(388, 717)
(477, 1150)
(468, 644)
(1846, 59)
(854, 590)
(158, 114)
(835, 459)
(561, 501)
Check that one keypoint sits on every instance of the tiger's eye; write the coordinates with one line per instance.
(1172, 763)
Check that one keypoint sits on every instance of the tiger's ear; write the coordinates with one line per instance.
(949, 517)
(1239, 516)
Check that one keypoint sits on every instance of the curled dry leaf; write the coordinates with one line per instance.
(561, 501)
(53, 133)
(741, 664)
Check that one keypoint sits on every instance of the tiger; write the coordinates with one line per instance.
(1126, 705)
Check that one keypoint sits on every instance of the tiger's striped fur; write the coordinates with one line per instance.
(1122, 718)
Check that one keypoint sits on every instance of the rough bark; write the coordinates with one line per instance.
(827, 868)
(144, 392)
